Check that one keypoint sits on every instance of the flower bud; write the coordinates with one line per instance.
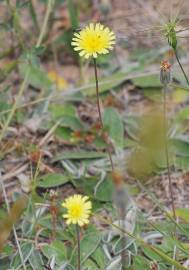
(165, 73)
(172, 40)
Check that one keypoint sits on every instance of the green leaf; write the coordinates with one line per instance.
(104, 190)
(114, 125)
(182, 115)
(182, 162)
(88, 245)
(27, 249)
(153, 94)
(72, 122)
(151, 254)
(64, 133)
(179, 147)
(99, 257)
(183, 213)
(90, 265)
(72, 8)
(57, 249)
(52, 180)
(37, 77)
(59, 110)
(106, 84)
(141, 263)
(79, 155)
(147, 81)
(36, 261)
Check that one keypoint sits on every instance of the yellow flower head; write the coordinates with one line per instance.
(78, 210)
(93, 40)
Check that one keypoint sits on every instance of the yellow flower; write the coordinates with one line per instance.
(78, 210)
(94, 39)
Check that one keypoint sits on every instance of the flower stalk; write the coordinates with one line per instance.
(165, 78)
(78, 248)
(100, 114)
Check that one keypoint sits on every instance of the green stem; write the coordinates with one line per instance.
(78, 248)
(167, 152)
(183, 71)
(168, 166)
(99, 110)
(45, 22)
(33, 15)
(97, 92)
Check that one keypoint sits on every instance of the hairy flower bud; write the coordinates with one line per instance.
(170, 34)
(165, 73)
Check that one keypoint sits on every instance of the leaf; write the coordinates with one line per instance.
(153, 94)
(79, 155)
(104, 190)
(141, 263)
(57, 249)
(151, 254)
(89, 264)
(180, 95)
(183, 213)
(72, 122)
(147, 81)
(122, 244)
(88, 245)
(36, 261)
(27, 249)
(52, 180)
(179, 147)
(106, 84)
(59, 110)
(99, 257)
(182, 115)
(73, 14)
(114, 125)
(64, 133)
(37, 77)
(182, 162)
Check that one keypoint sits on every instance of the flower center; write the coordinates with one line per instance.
(76, 211)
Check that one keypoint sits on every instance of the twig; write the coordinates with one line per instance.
(49, 133)
(14, 172)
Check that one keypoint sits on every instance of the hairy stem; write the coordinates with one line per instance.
(121, 210)
(97, 93)
(99, 111)
(167, 152)
(78, 249)
(168, 167)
